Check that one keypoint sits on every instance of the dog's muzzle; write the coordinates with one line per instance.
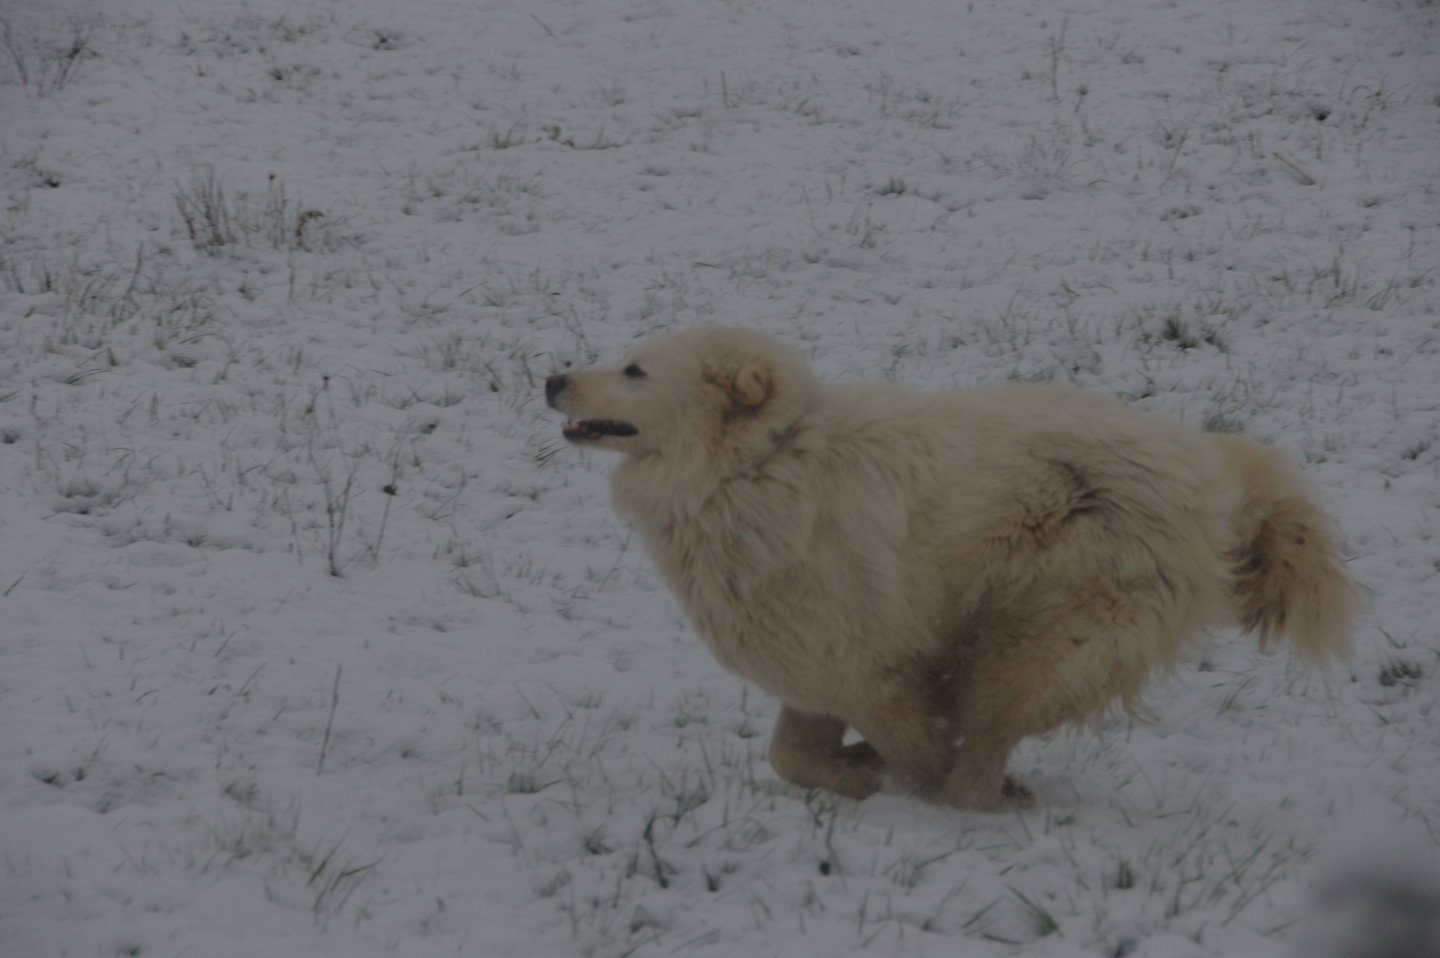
(554, 386)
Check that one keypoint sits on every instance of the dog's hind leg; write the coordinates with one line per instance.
(806, 751)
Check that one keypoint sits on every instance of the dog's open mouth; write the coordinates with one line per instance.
(587, 429)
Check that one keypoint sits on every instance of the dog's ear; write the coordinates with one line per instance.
(753, 384)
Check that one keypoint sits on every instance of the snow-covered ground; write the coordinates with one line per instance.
(316, 640)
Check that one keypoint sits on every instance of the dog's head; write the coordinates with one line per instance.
(723, 391)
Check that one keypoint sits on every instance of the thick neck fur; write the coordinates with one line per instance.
(693, 476)
(675, 496)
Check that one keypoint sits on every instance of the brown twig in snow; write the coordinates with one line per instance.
(1305, 178)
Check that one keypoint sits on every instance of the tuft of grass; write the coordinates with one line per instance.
(1184, 334)
(894, 186)
(205, 212)
(1045, 923)
(1218, 421)
(46, 68)
(1124, 875)
(333, 879)
(512, 136)
(214, 221)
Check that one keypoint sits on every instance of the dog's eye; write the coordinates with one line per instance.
(633, 371)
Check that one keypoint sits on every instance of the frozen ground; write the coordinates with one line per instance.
(278, 285)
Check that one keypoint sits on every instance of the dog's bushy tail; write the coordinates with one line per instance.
(1289, 577)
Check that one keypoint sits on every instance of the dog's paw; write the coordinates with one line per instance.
(986, 797)
(1015, 795)
(853, 772)
(855, 783)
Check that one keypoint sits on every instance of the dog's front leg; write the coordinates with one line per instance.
(978, 780)
(912, 738)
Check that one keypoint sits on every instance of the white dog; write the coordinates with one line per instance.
(966, 568)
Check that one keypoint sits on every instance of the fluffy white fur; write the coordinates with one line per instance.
(946, 573)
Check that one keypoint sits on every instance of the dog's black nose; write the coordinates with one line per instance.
(554, 386)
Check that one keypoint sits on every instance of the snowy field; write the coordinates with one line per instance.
(315, 639)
